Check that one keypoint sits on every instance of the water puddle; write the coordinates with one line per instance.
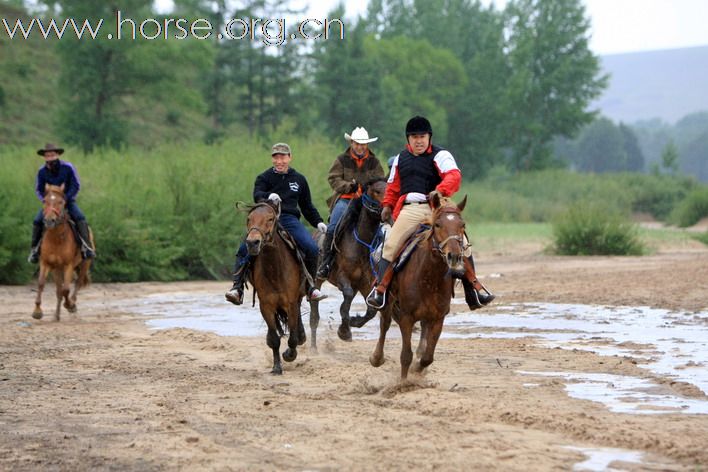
(599, 460)
(672, 344)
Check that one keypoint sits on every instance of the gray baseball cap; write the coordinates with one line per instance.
(280, 148)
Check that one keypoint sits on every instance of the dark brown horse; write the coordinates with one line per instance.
(422, 290)
(277, 278)
(352, 269)
(60, 254)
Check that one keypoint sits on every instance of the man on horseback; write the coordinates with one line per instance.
(417, 171)
(350, 170)
(283, 184)
(58, 172)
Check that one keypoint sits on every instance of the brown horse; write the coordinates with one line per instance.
(352, 270)
(60, 254)
(422, 290)
(277, 278)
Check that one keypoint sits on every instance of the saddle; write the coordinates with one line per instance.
(404, 254)
(290, 242)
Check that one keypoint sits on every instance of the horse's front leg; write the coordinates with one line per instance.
(66, 289)
(294, 324)
(273, 341)
(431, 340)
(377, 357)
(59, 284)
(314, 323)
(344, 332)
(360, 321)
(41, 282)
(406, 324)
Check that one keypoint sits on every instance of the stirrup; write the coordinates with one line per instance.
(373, 299)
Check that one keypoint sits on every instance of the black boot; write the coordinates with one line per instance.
(86, 249)
(36, 240)
(313, 293)
(235, 294)
(327, 257)
(377, 296)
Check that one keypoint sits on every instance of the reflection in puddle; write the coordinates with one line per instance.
(600, 459)
(622, 394)
(674, 344)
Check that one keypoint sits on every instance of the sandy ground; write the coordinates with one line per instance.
(100, 391)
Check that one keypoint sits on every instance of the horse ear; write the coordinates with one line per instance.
(435, 200)
(46, 188)
(62, 187)
(461, 205)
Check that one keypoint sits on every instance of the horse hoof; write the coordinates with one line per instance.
(376, 362)
(70, 309)
(289, 355)
(37, 315)
(276, 371)
(358, 321)
(344, 333)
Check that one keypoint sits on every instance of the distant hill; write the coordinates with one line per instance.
(667, 84)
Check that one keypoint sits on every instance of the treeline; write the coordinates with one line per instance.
(498, 85)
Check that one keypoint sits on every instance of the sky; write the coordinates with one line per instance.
(618, 26)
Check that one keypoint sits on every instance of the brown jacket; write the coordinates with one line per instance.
(345, 171)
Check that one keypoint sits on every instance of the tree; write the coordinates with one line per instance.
(635, 158)
(670, 158)
(601, 148)
(554, 76)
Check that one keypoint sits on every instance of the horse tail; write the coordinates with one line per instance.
(84, 278)
(281, 322)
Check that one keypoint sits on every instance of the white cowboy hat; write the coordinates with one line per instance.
(359, 135)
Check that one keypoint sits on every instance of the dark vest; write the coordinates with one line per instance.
(418, 173)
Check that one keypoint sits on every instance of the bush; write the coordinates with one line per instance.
(702, 237)
(589, 229)
(692, 208)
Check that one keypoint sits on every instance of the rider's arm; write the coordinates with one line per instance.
(73, 184)
(449, 173)
(39, 185)
(393, 187)
(336, 178)
(305, 203)
(261, 189)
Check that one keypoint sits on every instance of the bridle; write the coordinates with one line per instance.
(267, 238)
(440, 246)
(60, 214)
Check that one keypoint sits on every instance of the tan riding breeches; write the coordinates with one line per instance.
(405, 225)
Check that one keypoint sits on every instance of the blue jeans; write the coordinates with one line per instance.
(73, 209)
(337, 212)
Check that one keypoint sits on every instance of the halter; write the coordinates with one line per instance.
(440, 246)
(371, 204)
(267, 237)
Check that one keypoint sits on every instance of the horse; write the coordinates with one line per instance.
(60, 254)
(277, 277)
(352, 268)
(422, 289)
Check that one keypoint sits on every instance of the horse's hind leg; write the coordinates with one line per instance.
(37, 313)
(273, 341)
(314, 323)
(377, 357)
(344, 331)
(431, 340)
(422, 342)
(69, 298)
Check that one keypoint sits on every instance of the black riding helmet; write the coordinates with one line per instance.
(418, 125)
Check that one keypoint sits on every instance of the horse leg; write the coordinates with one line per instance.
(433, 334)
(273, 341)
(360, 321)
(290, 353)
(314, 323)
(406, 325)
(43, 271)
(377, 358)
(59, 284)
(344, 332)
(424, 327)
(69, 303)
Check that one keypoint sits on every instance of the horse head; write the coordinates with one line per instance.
(448, 231)
(54, 205)
(261, 224)
(373, 194)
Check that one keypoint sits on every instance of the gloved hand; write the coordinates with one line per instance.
(354, 186)
(321, 227)
(386, 214)
(274, 197)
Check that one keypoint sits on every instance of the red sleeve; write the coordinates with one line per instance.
(393, 189)
(450, 184)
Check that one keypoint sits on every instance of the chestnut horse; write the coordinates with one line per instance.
(422, 290)
(277, 278)
(60, 254)
(352, 269)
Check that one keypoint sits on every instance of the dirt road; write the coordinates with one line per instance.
(100, 391)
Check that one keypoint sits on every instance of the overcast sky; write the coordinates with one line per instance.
(617, 25)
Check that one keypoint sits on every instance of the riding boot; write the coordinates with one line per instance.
(36, 240)
(313, 293)
(86, 249)
(235, 293)
(473, 288)
(377, 296)
(327, 257)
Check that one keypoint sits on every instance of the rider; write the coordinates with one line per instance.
(351, 169)
(285, 185)
(420, 169)
(58, 172)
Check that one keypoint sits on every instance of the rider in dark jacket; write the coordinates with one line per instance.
(58, 172)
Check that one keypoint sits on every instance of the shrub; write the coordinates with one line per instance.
(589, 229)
(691, 209)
